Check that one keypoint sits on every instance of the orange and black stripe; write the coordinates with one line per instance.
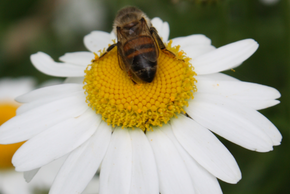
(139, 45)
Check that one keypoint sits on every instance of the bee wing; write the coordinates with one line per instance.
(146, 44)
(123, 63)
(121, 60)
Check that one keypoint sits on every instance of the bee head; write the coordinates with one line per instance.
(128, 20)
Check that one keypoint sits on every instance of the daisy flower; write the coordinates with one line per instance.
(145, 138)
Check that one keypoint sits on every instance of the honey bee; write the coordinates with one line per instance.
(138, 44)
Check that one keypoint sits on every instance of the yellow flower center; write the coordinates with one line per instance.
(7, 111)
(121, 102)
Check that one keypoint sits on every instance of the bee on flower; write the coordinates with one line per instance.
(143, 111)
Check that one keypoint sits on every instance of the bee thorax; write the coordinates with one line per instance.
(127, 18)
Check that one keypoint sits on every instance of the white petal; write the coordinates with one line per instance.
(173, 174)
(162, 28)
(144, 171)
(215, 77)
(224, 58)
(50, 92)
(197, 50)
(78, 58)
(82, 163)
(28, 175)
(56, 141)
(36, 104)
(116, 168)
(47, 65)
(206, 149)
(32, 105)
(192, 40)
(250, 94)
(202, 180)
(237, 123)
(30, 123)
(97, 40)
(93, 186)
(261, 104)
(46, 175)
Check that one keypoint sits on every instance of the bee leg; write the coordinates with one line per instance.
(161, 45)
(109, 49)
(131, 77)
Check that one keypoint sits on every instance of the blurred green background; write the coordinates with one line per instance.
(58, 26)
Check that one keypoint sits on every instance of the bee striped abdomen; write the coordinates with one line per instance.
(139, 45)
(141, 53)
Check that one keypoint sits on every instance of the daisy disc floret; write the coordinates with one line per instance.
(122, 102)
